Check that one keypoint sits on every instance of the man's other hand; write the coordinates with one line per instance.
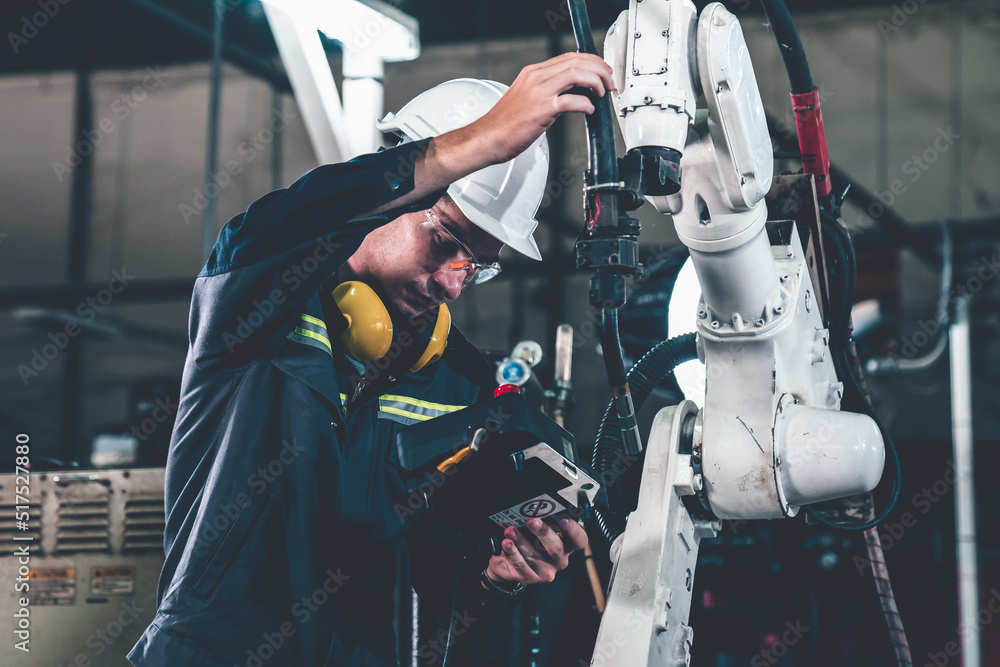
(531, 561)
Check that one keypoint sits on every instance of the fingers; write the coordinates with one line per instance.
(525, 561)
(529, 561)
(533, 102)
(526, 548)
(568, 103)
(572, 73)
(573, 83)
(574, 536)
(555, 77)
(598, 82)
(581, 65)
(517, 554)
(551, 542)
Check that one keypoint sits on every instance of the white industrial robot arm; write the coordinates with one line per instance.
(771, 436)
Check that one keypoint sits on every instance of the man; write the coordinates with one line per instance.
(283, 501)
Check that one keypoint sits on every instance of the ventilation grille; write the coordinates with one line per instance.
(83, 527)
(9, 525)
(144, 523)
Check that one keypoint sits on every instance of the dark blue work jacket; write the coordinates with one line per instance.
(284, 511)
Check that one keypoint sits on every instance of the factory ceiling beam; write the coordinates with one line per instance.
(246, 60)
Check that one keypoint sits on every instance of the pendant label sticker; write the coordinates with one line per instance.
(538, 507)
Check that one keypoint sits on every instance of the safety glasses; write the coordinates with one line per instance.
(444, 247)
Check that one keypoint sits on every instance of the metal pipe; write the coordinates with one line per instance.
(562, 378)
(414, 629)
(81, 193)
(897, 364)
(79, 226)
(212, 152)
(965, 504)
(364, 98)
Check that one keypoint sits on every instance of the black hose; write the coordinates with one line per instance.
(790, 46)
(603, 164)
(611, 348)
(608, 457)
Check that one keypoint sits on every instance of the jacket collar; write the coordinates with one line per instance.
(307, 354)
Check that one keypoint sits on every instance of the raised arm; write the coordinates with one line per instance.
(271, 259)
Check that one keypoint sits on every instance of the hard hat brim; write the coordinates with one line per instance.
(524, 245)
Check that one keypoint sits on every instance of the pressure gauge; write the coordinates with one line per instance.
(513, 370)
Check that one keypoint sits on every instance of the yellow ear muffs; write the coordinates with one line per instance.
(368, 335)
(439, 339)
(369, 327)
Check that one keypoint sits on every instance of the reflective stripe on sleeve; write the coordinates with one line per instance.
(311, 331)
(414, 408)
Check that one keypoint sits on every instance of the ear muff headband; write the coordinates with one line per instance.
(368, 335)
(439, 339)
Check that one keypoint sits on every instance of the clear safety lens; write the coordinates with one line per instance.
(476, 273)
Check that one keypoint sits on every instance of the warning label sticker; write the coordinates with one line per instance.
(112, 580)
(536, 508)
(52, 586)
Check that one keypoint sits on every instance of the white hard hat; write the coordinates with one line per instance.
(501, 199)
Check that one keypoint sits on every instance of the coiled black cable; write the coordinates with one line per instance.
(608, 457)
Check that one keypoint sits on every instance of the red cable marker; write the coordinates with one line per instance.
(506, 389)
(812, 139)
(597, 212)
